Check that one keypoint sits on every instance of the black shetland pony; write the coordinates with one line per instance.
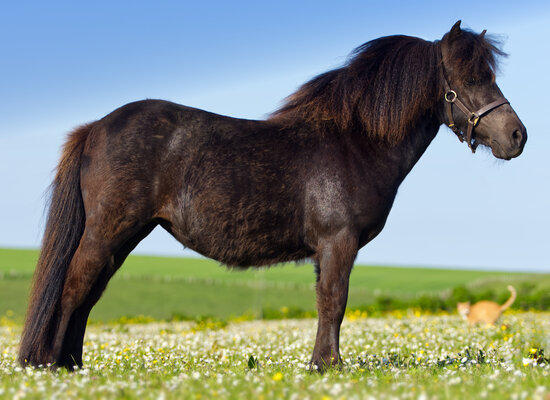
(314, 181)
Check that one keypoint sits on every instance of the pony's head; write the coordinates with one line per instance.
(474, 105)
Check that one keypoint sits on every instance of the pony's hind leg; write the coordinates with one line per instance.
(73, 341)
(90, 260)
(71, 348)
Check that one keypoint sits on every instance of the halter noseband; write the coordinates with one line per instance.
(473, 117)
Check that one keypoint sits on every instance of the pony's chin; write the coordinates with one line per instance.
(499, 152)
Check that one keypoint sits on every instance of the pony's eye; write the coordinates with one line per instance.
(471, 82)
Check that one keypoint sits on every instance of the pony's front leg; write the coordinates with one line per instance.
(335, 256)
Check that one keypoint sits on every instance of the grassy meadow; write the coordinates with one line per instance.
(150, 339)
(408, 357)
(184, 288)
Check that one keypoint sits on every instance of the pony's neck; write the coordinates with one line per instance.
(406, 154)
(423, 130)
(381, 93)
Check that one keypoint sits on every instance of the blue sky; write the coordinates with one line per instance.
(65, 63)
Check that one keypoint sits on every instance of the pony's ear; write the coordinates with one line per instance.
(455, 30)
(482, 34)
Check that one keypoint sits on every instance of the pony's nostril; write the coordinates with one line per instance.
(517, 137)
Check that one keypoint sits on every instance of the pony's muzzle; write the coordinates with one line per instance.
(518, 138)
(511, 144)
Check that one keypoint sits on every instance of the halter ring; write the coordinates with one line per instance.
(450, 96)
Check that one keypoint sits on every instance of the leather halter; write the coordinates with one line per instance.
(473, 116)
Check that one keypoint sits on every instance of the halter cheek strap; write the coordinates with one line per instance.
(473, 116)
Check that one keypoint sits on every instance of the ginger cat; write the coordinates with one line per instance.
(484, 311)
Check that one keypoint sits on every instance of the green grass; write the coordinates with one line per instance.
(406, 355)
(406, 358)
(162, 287)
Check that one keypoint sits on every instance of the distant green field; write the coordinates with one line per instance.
(162, 287)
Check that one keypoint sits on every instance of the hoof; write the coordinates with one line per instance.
(322, 365)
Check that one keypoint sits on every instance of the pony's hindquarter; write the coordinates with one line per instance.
(93, 224)
(64, 228)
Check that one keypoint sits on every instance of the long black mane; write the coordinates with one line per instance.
(387, 85)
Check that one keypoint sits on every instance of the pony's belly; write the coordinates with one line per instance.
(245, 250)
(240, 239)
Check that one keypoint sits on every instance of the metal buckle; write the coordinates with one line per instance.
(450, 96)
(474, 119)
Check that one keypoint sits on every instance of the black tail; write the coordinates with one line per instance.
(64, 228)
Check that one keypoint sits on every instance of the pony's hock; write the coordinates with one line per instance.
(316, 180)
